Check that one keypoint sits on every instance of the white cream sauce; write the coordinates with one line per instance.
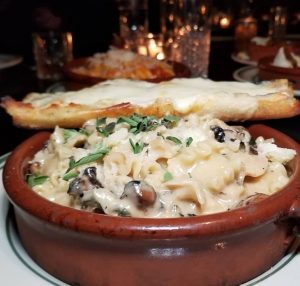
(214, 173)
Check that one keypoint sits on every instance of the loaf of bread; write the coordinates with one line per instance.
(228, 101)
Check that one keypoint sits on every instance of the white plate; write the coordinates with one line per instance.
(7, 61)
(17, 268)
(240, 60)
(250, 74)
(56, 87)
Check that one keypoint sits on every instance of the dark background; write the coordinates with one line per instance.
(93, 22)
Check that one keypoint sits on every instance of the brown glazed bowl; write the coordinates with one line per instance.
(90, 249)
(257, 52)
(180, 71)
(267, 71)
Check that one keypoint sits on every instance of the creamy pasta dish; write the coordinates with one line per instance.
(142, 166)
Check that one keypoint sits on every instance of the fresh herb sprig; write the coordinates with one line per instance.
(167, 176)
(83, 161)
(123, 212)
(139, 124)
(174, 139)
(170, 121)
(136, 147)
(188, 141)
(34, 180)
(103, 129)
(83, 131)
(69, 133)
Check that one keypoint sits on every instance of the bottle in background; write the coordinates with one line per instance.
(277, 23)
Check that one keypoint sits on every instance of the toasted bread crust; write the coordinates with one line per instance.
(73, 115)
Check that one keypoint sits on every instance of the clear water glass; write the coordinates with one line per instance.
(194, 48)
(192, 35)
(51, 51)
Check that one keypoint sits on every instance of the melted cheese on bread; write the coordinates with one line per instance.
(224, 100)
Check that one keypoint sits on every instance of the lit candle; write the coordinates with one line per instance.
(224, 22)
(142, 50)
(153, 48)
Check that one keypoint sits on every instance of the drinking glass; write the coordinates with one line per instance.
(133, 19)
(191, 45)
(51, 51)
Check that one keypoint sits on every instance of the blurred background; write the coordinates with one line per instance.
(94, 22)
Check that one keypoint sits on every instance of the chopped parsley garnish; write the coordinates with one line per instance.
(34, 180)
(189, 141)
(127, 120)
(102, 128)
(84, 132)
(84, 160)
(70, 175)
(68, 133)
(174, 139)
(100, 121)
(136, 147)
(252, 143)
(170, 121)
(167, 176)
(139, 124)
(123, 212)
(107, 129)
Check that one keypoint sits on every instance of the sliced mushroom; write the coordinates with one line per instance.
(88, 181)
(219, 133)
(91, 173)
(76, 188)
(252, 200)
(141, 193)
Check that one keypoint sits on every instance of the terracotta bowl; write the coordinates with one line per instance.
(180, 70)
(84, 248)
(257, 52)
(266, 71)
